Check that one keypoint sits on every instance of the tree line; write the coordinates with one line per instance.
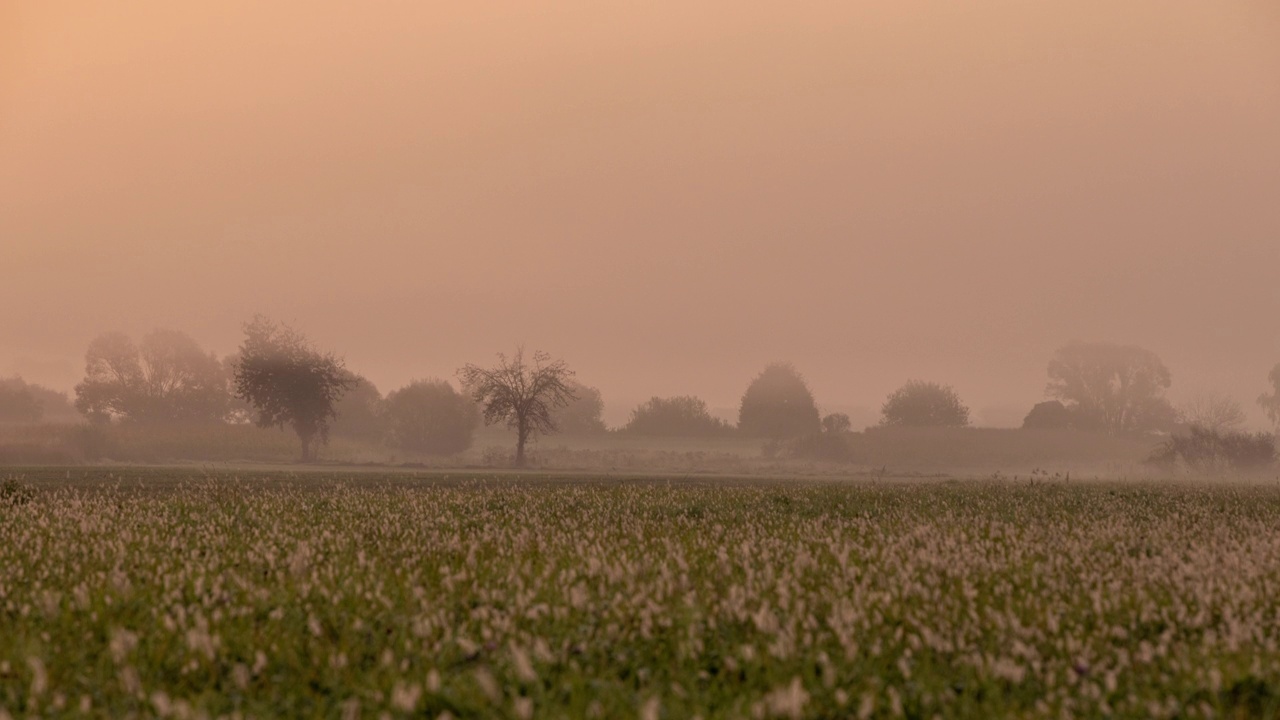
(278, 378)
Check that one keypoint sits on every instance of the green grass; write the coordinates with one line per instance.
(341, 594)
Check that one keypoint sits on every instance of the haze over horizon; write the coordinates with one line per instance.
(667, 196)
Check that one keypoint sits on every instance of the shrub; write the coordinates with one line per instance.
(1204, 450)
(924, 404)
(837, 423)
(683, 416)
(1048, 415)
(429, 416)
(13, 493)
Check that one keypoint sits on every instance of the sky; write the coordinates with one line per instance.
(666, 195)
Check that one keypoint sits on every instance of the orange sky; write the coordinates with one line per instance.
(668, 195)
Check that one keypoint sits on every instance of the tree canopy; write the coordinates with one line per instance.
(778, 404)
(924, 404)
(289, 382)
(523, 395)
(166, 378)
(1113, 388)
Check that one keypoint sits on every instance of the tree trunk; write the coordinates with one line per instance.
(306, 447)
(522, 434)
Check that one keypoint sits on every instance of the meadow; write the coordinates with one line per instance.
(189, 593)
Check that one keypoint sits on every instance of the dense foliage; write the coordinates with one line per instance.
(778, 404)
(924, 404)
(1048, 415)
(429, 416)
(289, 382)
(682, 416)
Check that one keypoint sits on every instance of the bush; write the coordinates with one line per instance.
(837, 423)
(1205, 450)
(683, 416)
(429, 416)
(924, 404)
(14, 493)
(1048, 415)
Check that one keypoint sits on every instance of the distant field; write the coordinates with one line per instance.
(189, 593)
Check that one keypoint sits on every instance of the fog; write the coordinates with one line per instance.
(666, 196)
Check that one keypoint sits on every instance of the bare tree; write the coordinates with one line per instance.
(523, 395)
(1213, 411)
(289, 382)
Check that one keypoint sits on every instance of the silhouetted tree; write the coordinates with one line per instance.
(1212, 411)
(924, 404)
(583, 415)
(429, 416)
(684, 416)
(166, 378)
(523, 395)
(1048, 415)
(289, 382)
(1113, 388)
(837, 423)
(360, 412)
(778, 404)
(17, 403)
(1270, 402)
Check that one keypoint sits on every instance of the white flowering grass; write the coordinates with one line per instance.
(159, 595)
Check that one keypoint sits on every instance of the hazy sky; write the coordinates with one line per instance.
(668, 195)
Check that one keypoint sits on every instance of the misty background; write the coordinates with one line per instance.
(666, 196)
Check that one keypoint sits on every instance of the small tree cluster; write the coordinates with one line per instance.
(166, 378)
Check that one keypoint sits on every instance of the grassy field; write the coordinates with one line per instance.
(184, 593)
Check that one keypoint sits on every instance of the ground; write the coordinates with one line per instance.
(186, 592)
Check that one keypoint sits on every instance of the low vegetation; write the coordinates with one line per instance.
(147, 593)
